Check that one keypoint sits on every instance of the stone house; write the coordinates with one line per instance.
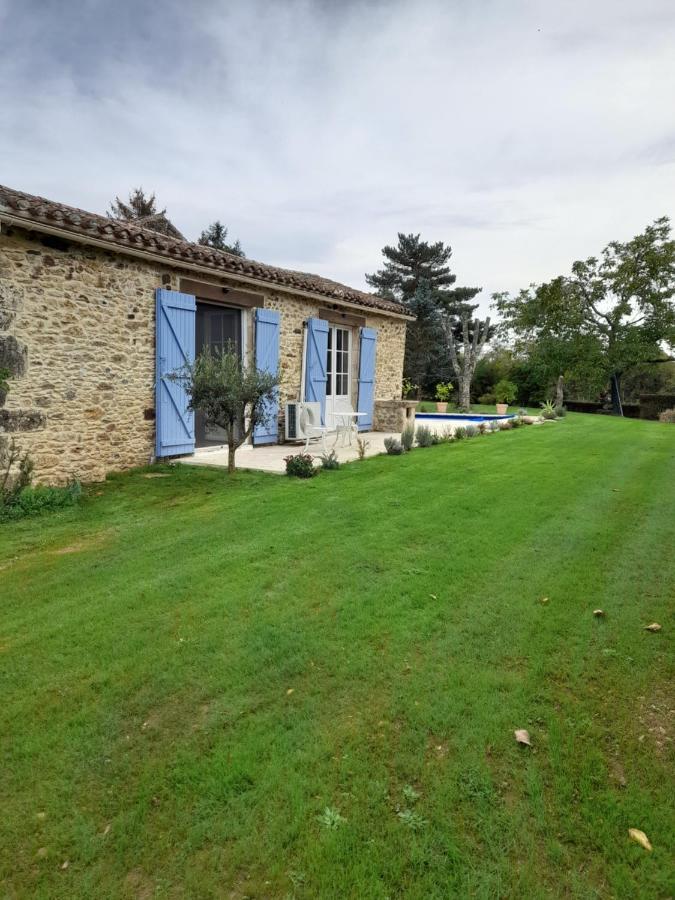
(94, 312)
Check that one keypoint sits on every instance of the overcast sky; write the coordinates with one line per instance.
(524, 134)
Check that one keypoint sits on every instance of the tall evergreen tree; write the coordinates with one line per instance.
(138, 206)
(216, 236)
(409, 263)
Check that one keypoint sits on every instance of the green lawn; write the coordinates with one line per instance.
(193, 668)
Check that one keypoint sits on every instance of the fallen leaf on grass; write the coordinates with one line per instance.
(640, 838)
(433, 596)
(522, 736)
(653, 627)
(598, 613)
(290, 691)
(64, 865)
(544, 600)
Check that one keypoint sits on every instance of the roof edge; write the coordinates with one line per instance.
(33, 225)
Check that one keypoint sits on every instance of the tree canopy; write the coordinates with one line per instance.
(608, 315)
(216, 236)
(137, 206)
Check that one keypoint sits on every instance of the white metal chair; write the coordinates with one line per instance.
(310, 425)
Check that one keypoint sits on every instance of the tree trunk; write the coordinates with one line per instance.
(231, 450)
(465, 394)
(615, 384)
(559, 396)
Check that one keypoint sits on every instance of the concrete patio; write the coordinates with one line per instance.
(270, 458)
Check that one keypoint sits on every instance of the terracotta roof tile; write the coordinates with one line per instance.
(36, 210)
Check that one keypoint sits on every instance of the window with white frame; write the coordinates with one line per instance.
(337, 366)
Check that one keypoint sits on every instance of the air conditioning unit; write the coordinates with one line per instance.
(295, 419)
(293, 428)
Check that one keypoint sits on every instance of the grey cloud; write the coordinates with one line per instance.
(525, 134)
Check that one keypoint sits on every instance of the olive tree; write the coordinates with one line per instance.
(230, 394)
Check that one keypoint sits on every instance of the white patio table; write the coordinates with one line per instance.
(346, 422)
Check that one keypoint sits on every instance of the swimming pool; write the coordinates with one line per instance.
(459, 417)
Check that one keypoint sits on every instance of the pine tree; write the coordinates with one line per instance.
(216, 236)
(408, 264)
(138, 206)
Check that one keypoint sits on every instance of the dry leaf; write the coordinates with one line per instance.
(653, 627)
(290, 690)
(598, 612)
(639, 837)
(544, 600)
(64, 865)
(522, 736)
(433, 596)
(106, 830)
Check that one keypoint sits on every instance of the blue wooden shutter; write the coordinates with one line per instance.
(366, 399)
(175, 347)
(316, 364)
(267, 323)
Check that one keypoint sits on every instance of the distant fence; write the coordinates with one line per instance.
(649, 407)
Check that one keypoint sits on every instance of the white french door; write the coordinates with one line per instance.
(338, 372)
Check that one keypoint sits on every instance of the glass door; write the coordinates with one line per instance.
(338, 369)
(218, 328)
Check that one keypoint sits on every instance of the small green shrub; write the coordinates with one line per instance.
(560, 411)
(330, 460)
(548, 410)
(494, 426)
(487, 399)
(447, 435)
(515, 422)
(408, 437)
(361, 446)
(482, 427)
(443, 391)
(471, 431)
(436, 439)
(668, 415)
(300, 465)
(460, 433)
(408, 387)
(423, 436)
(32, 501)
(505, 391)
(522, 411)
(393, 446)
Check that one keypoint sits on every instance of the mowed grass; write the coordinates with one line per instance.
(194, 667)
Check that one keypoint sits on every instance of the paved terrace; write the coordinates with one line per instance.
(271, 457)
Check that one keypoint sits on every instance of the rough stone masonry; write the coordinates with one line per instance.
(77, 333)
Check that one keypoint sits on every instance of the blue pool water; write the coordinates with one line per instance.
(458, 417)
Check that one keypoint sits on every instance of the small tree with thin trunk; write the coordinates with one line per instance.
(474, 334)
(232, 396)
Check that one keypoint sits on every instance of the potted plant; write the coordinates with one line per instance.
(443, 391)
(505, 393)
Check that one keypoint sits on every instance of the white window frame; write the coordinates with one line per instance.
(338, 401)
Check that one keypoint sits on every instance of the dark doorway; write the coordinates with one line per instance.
(218, 327)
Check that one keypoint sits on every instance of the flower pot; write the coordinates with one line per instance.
(501, 409)
(441, 407)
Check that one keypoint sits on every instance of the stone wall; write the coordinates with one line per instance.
(77, 331)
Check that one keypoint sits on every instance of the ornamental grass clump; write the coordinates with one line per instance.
(471, 431)
(393, 446)
(330, 460)
(423, 436)
(460, 433)
(408, 437)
